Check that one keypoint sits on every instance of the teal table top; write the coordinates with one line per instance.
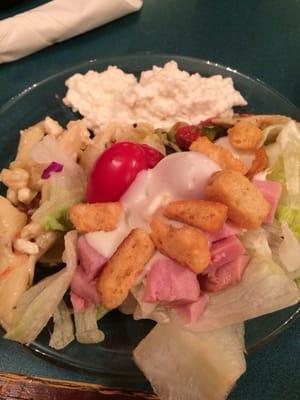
(260, 38)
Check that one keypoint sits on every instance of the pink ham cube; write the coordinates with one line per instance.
(191, 312)
(225, 250)
(227, 230)
(84, 288)
(90, 260)
(226, 275)
(170, 283)
(271, 192)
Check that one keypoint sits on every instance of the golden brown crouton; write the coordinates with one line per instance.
(260, 162)
(95, 217)
(245, 135)
(203, 214)
(219, 154)
(120, 272)
(186, 245)
(247, 207)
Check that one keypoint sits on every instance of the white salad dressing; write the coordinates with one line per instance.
(245, 156)
(176, 177)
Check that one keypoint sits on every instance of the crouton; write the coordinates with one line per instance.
(207, 215)
(247, 207)
(219, 154)
(119, 274)
(245, 135)
(260, 163)
(95, 217)
(186, 245)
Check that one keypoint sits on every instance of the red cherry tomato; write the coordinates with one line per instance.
(114, 171)
(186, 135)
(153, 156)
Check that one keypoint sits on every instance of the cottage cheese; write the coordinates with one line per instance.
(162, 96)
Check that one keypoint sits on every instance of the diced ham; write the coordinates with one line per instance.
(90, 260)
(192, 311)
(271, 192)
(227, 230)
(226, 275)
(171, 283)
(84, 288)
(78, 303)
(224, 251)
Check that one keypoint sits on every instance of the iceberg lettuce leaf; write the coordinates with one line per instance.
(62, 190)
(63, 331)
(264, 288)
(39, 303)
(286, 170)
(185, 365)
(87, 330)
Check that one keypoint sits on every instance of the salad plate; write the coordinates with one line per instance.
(113, 357)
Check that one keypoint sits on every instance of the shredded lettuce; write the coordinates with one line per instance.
(63, 332)
(286, 170)
(57, 218)
(256, 242)
(289, 141)
(289, 249)
(291, 216)
(273, 153)
(297, 281)
(39, 303)
(270, 133)
(87, 330)
(264, 288)
(185, 365)
(62, 190)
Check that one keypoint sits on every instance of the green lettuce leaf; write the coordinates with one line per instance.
(286, 170)
(291, 216)
(62, 190)
(57, 218)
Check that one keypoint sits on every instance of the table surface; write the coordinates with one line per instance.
(260, 38)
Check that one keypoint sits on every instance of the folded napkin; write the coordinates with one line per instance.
(56, 21)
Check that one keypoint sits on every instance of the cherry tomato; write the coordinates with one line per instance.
(186, 135)
(114, 171)
(153, 156)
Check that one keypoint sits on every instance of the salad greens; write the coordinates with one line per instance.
(62, 190)
(183, 365)
(87, 330)
(38, 304)
(286, 170)
(270, 282)
(63, 332)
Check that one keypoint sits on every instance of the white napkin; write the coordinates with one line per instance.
(56, 21)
